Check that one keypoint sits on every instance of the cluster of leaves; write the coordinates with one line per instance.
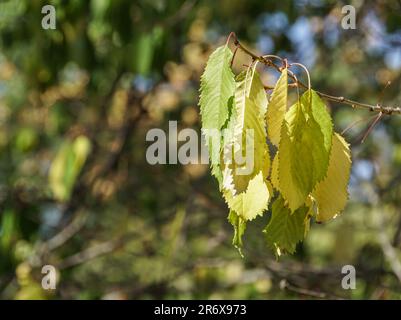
(299, 164)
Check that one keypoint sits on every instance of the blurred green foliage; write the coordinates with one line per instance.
(120, 228)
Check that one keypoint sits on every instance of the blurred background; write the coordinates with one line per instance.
(77, 193)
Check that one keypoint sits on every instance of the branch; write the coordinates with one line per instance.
(285, 285)
(66, 233)
(89, 254)
(95, 251)
(355, 104)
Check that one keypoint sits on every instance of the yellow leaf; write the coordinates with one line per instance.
(331, 194)
(253, 201)
(246, 153)
(67, 165)
(277, 108)
(258, 94)
(287, 185)
(304, 149)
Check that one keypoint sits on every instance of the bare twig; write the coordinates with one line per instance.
(284, 284)
(355, 104)
(89, 254)
(66, 233)
(370, 128)
(353, 124)
(71, 229)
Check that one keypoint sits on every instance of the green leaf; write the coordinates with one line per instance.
(321, 116)
(277, 108)
(304, 149)
(239, 229)
(8, 230)
(216, 90)
(285, 228)
(67, 165)
(245, 136)
(144, 51)
(245, 187)
(250, 107)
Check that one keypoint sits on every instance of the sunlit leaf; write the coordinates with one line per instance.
(331, 194)
(216, 91)
(277, 108)
(246, 153)
(304, 149)
(239, 226)
(253, 201)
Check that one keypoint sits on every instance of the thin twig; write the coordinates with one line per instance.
(66, 233)
(353, 124)
(355, 104)
(69, 231)
(284, 284)
(89, 254)
(375, 121)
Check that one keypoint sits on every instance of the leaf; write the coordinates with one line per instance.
(252, 202)
(81, 148)
(246, 152)
(67, 165)
(285, 229)
(216, 87)
(223, 139)
(304, 149)
(249, 111)
(144, 53)
(321, 116)
(277, 108)
(239, 229)
(331, 194)
(291, 140)
(8, 229)
(257, 93)
(245, 187)
(216, 90)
